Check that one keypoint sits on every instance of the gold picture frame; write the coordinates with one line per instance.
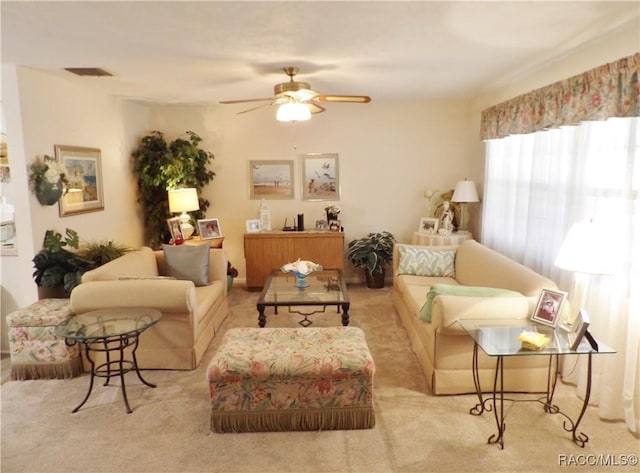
(271, 179)
(84, 171)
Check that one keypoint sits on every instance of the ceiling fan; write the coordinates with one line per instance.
(297, 100)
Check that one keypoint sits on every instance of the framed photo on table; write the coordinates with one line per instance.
(253, 225)
(578, 329)
(428, 225)
(320, 177)
(174, 229)
(548, 309)
(209, 228)
(84, 172)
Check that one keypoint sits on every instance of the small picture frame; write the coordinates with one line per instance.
(253, 225)
(578, 329)
(174, 229)
(428, 225)
(322, 225)
(209, 228)
(335, 225)
(548, 308)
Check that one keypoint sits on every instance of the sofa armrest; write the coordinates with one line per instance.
(164, 295)
(447, 310)
(218, 264)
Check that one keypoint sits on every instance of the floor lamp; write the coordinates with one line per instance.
(464, 192)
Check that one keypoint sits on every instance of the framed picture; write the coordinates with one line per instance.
(84, 172)
(335, 225)
(253, 225)
(547, 310)
(428, 225)
(271, 179)
(320, 177)
(578, 329)
(209, 228)
(174, 229)
(321, 225)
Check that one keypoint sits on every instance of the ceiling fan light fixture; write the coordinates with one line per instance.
(293, 112)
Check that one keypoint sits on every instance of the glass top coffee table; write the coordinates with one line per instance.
(499, 338)
(109, 331)
(324, 289)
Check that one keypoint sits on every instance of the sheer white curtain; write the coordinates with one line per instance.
(537, 186)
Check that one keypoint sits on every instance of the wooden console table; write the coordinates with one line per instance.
(266, 251)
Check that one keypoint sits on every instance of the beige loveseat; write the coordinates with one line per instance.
(443, 349)
(191, 314)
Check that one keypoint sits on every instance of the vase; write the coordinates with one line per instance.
(47, 193)
(301, 280)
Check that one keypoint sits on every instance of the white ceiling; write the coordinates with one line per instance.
(204, 52)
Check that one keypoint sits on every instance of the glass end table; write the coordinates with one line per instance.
(499, 338)
(109, 331)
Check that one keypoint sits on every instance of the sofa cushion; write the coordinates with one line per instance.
(188, 262)
(426, 261)
(464, 291)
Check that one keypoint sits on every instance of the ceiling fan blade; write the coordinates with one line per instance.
(343, 98)
(256, 108)
(244, 100)
(314, 107)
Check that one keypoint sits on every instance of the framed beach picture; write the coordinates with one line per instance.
(320, 177)
(428, 225)
(209, 228)
(84, 172)
(547, 310)
(271, 179)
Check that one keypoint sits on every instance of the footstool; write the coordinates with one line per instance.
(280, 379)
(36, 351)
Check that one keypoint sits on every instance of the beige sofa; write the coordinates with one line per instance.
(191, 314)
(443, 349)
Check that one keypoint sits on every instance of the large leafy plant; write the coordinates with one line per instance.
(161, 166)
(372, 252)
(62, 260)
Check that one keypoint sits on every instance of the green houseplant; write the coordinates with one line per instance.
(372, 253)
(62, 261)
(160, 166)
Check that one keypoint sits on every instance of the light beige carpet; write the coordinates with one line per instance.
(169, 428)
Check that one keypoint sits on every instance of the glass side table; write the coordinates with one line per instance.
(499, 338)
(109, 331)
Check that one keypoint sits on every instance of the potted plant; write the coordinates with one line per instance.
(160, 166)
(48, 180)
(372, 253)
(58, 269)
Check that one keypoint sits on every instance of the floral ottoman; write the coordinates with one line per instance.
(36, 351)
(278, 379)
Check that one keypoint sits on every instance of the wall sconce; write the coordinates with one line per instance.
(293, 112)
(464, 192)
(183, 201)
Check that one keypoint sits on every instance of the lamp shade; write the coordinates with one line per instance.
(465, 191)
(183, 200)
(293, 112)
(588, 248)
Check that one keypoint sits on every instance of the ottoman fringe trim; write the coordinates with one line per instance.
(288, 420)
(21, 371)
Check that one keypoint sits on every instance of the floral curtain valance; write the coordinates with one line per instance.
(607, 91)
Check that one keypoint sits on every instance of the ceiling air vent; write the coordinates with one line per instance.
(88, 71)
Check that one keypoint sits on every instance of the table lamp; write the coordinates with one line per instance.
(182, 201)
(464, 192)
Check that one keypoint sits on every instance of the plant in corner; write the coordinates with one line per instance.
(159, 167)
(58, 270)
(372, 253)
